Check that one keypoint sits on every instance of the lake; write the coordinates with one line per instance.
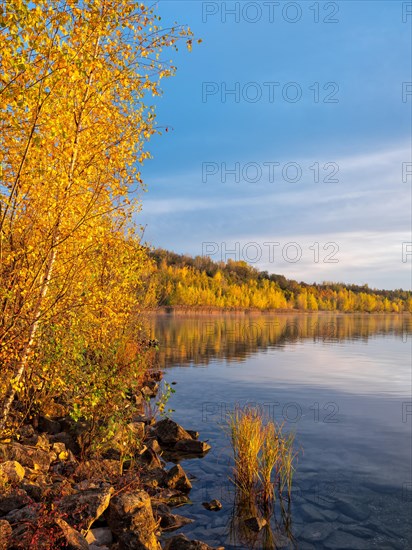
(341, 382)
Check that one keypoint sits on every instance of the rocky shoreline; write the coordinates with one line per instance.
(52, 498)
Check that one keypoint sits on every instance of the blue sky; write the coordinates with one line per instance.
(315, 134)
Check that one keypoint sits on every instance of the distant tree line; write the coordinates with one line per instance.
(183, 280)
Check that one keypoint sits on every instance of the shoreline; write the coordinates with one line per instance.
(213, 310)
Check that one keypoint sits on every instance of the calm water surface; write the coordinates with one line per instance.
(341, 383)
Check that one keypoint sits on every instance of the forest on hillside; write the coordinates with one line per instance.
(181, 280)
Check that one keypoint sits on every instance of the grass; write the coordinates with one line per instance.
(247, 435)
(264, 456)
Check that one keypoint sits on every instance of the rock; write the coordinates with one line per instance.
(26, 514)
(178, 500)
(73, 539)
(131, 519)
(150, 389)
(176, 478)
(213, 505)
(346, 541)
(139, 401)
(83, 508)
(100, 536)
(316, 532)
(43, 443)
(70, 443)
(168, 433)
(5, 534)
(193, 434)
(150, 459)
(49, 426)
(192, 446)
(13, 501)
(149, 392)
(169, 521)
(255, 523)
(13, 470)
(153, 444)
(33, 490)
(180, 542)
(29, 457)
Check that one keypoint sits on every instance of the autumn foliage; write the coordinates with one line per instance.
(181, 280)
(74, 84)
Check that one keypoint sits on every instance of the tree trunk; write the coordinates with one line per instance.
(21, 366)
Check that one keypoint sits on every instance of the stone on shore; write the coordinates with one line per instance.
(177, 479)
(85, 507)
(168, 432)
(101, 536)
(214, 505)
(192, 446)
(72, 538)
(29, 457)
(131, 519)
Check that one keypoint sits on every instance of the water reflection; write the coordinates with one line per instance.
(342, 383)
(198, 339)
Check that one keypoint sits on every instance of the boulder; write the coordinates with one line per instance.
(27, 514)
(150, 459)
(214, 505)
(101, 536)
(43, 442)
(84, 508)
(131, 519)
(168, 433)
(176, 478)
(255, 523)
(69, 441)
(72, 538)
(154, 478)
(192, 447)
(150, 389)
(153, 444)
(34, 490)
(180, 542)
(13, 470)
(5, 534)
(13, 501)
(169, 521)
(30, 457)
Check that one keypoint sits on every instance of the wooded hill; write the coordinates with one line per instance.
(181, 280)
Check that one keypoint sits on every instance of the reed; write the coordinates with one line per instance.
(286, 464)
(264, 456)
(247, 435)
(268, 461)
